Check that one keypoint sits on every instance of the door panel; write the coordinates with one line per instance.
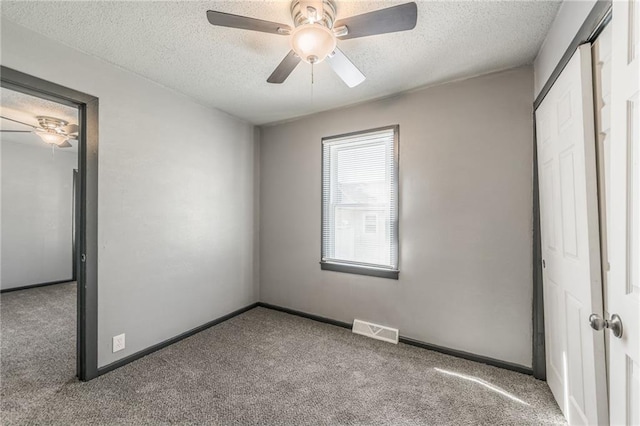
(548, 223)
(568, 197)
(575, 313)
(555, 355)
(570, 244)
(633, 374)
(633, 194)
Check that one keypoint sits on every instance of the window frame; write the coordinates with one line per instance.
(353, 267)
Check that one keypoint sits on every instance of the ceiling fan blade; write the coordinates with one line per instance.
(65, 144)
(15, 131)
(71, 128)
(285, 68)
(397, 18)
(345, 69)
(245, 23)
(19, 122)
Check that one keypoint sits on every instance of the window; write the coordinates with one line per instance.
(360, 203)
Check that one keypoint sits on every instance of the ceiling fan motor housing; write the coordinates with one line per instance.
(50, 123)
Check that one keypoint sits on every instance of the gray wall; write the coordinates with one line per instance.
(37, 198)
(569, 19)
(465, 217)
(176, 198)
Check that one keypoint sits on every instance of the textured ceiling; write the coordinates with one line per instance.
(173, 44)
(25, 108)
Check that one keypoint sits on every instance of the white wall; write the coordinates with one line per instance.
(571, 16)
(176, 198)
(465, 217)
(37, 202)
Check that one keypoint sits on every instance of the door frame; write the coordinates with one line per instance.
(86, 224)
(74, 214)
(593, 25)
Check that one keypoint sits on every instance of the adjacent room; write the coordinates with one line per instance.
(39, 160)
(320, 212)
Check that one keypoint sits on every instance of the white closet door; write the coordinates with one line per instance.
(623, 293)
(570, 244)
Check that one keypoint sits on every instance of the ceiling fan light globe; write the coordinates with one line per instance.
(313, 42)
(52, 137)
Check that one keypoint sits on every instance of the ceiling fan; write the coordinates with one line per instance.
(52, 130)
(316, 32)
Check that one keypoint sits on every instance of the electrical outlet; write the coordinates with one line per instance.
(118, 342)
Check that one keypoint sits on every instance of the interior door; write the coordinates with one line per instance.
(624, 212)
(569, 221)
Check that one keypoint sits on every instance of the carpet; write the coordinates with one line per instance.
(37, 346)
(261, 367)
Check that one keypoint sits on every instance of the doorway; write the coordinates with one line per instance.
(86, 208)
(39, 154)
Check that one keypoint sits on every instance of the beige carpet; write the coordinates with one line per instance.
(262, 367)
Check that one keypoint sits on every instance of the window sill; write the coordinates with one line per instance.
(360, 270)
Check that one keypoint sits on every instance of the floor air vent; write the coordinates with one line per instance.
(375, 331)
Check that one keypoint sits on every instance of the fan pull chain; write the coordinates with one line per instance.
(312, 82)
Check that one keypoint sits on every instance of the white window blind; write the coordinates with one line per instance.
(360, 200)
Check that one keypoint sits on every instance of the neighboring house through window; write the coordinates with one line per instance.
(360, 203)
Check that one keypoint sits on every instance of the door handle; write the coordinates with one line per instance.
(614, 324)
